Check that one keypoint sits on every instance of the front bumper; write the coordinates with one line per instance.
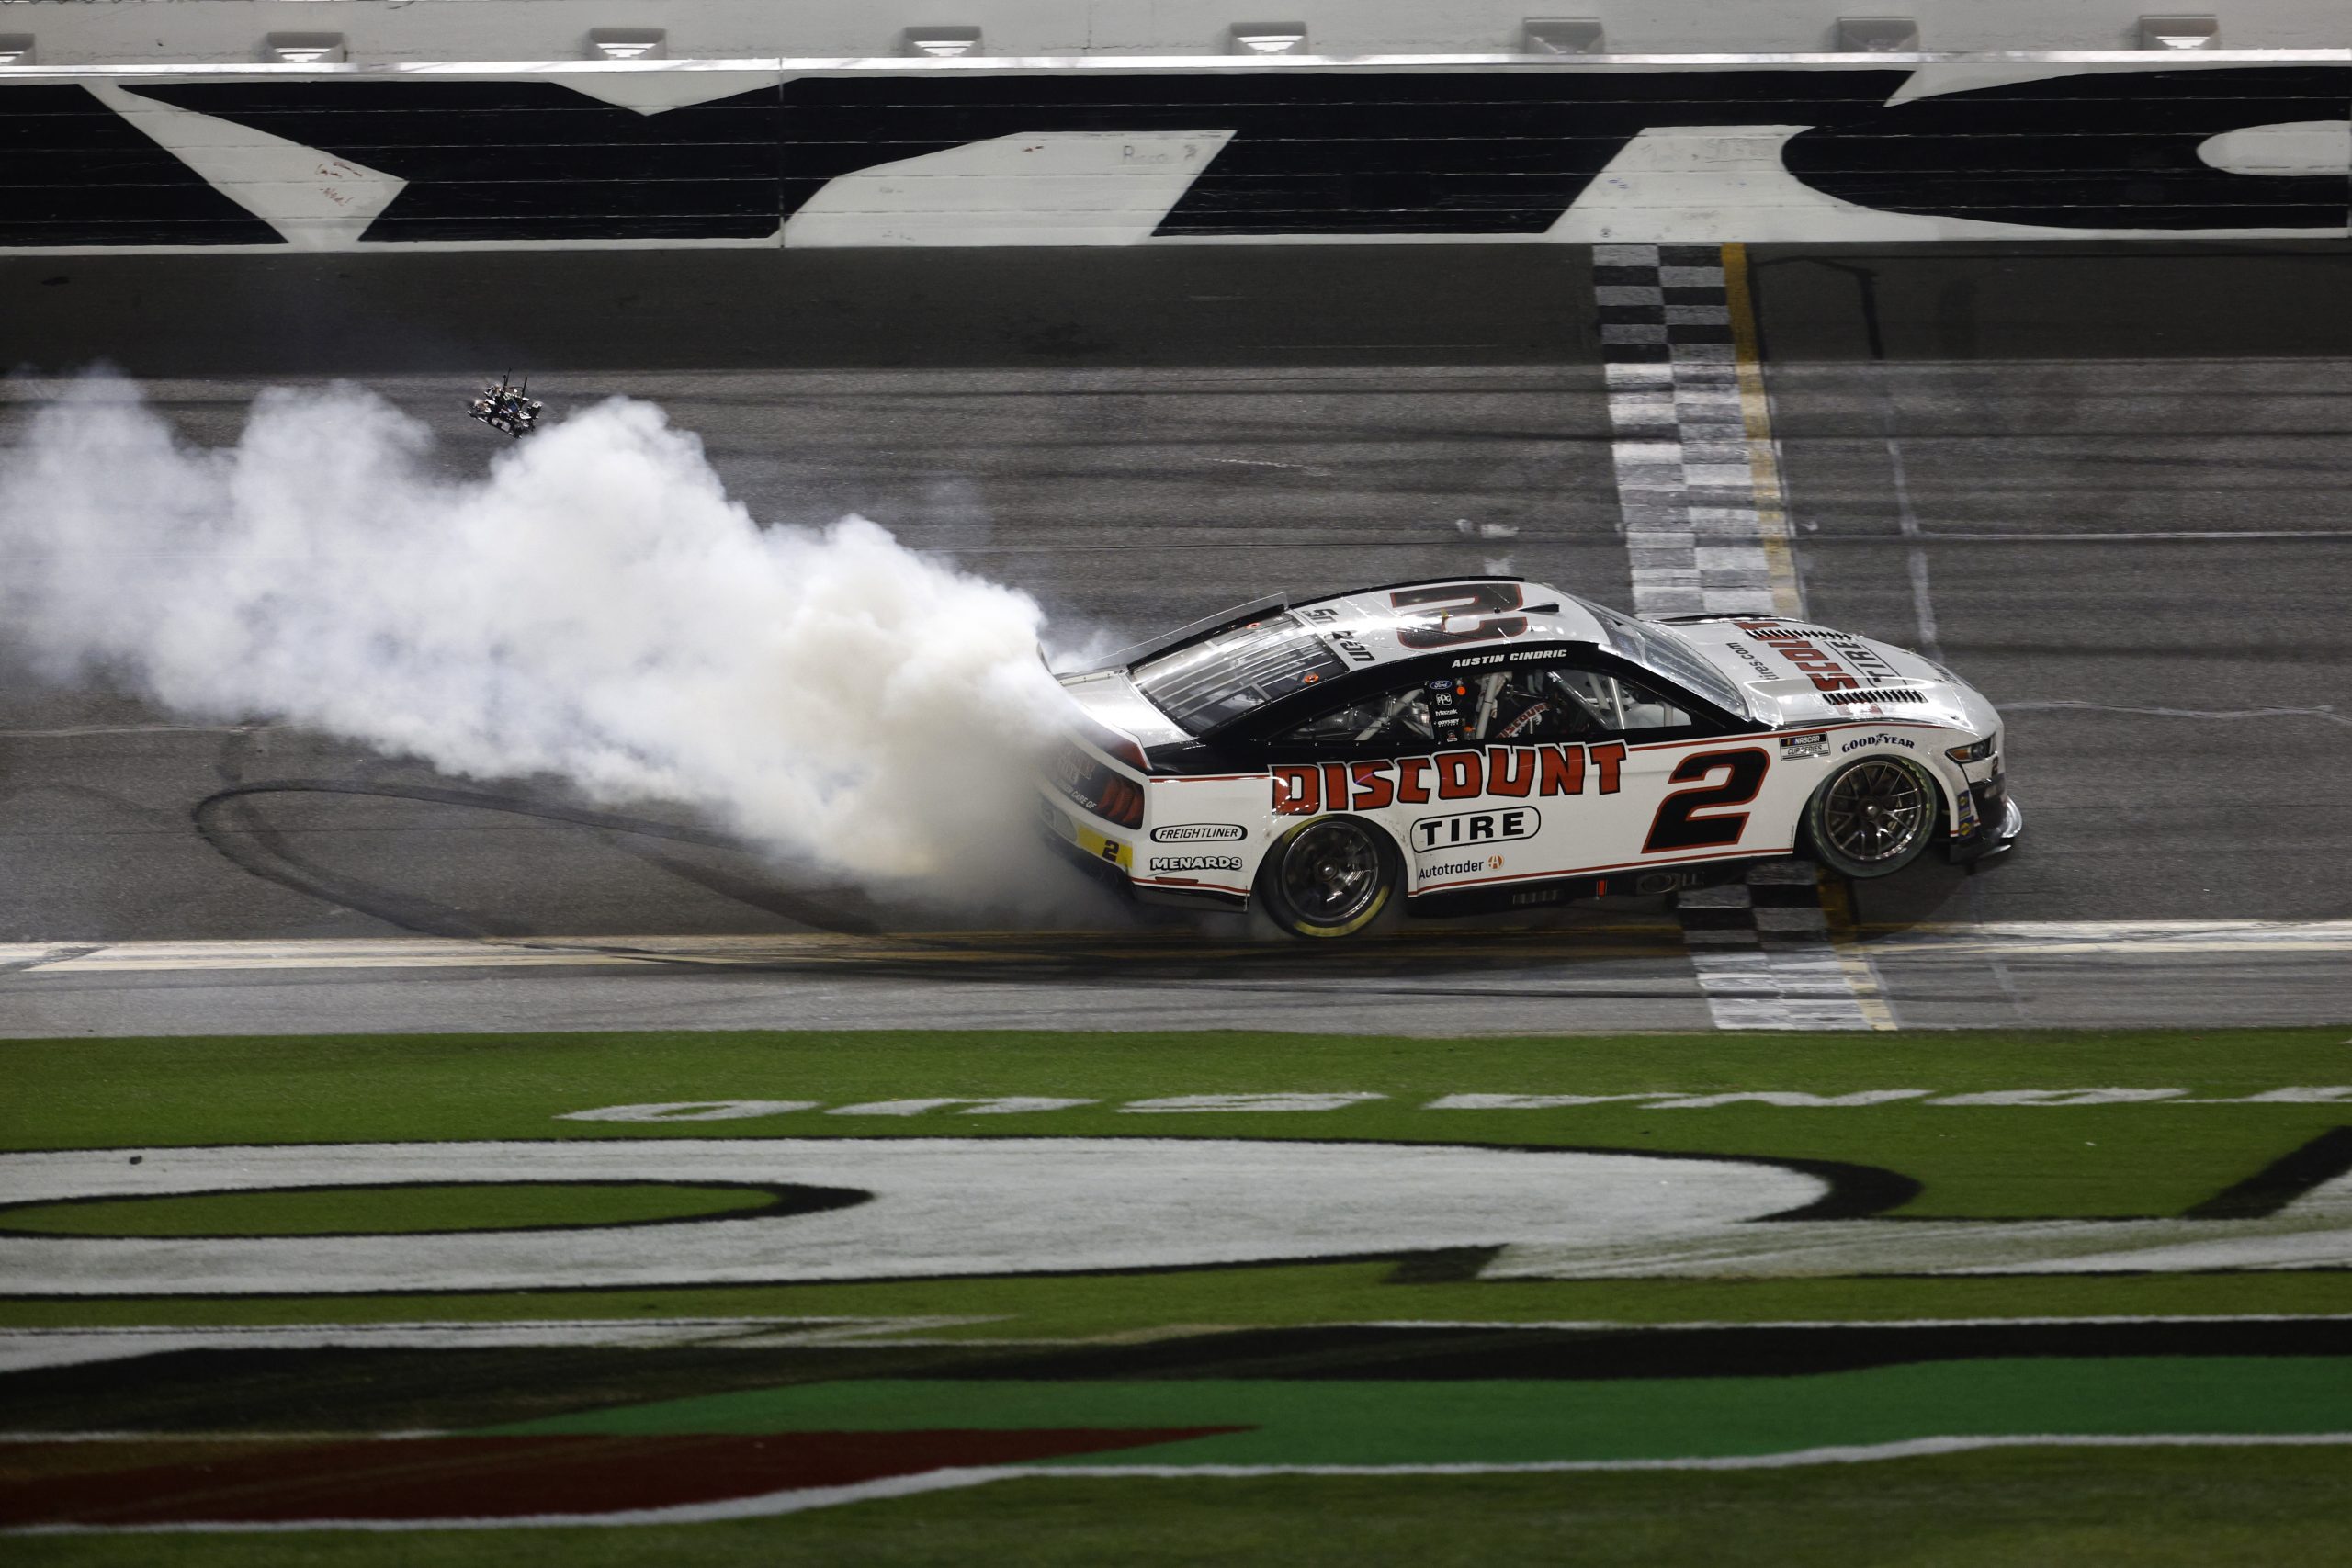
(1991, 821)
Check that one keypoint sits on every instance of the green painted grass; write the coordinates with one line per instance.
(506, 1205)
(1319, 1421)
(2086, 1508)
(1983, 1161)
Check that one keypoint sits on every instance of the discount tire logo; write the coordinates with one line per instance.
(1465, 827)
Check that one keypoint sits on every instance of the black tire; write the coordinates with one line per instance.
(1330, 878)
(1873, 817)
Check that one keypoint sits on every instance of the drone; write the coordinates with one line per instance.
(503, 406)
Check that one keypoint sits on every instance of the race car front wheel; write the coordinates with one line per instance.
(1873, 817)
(1328, 877)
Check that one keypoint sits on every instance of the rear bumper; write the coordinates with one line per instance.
(1110, 862)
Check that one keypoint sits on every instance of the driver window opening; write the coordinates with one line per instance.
(1550, 702)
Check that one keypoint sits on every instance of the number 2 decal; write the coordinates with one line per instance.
(1678, 826)
(1456, 603)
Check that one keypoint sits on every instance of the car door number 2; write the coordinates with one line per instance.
(1679, 823)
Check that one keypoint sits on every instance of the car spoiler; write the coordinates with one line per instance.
(1226, 620)
(1206, 627)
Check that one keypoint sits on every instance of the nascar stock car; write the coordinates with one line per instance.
(1492, 743)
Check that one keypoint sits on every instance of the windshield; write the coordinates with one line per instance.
(1657, 649)
(1234, 672)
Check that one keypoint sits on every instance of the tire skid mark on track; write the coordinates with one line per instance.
(256, 846)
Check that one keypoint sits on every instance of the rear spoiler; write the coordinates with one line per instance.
(1196, 631)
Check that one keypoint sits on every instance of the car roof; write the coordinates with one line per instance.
(1372, 618)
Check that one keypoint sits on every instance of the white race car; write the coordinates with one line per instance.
(1493, 743)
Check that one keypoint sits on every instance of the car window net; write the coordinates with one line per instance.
(1234, 672)
(1532, 703)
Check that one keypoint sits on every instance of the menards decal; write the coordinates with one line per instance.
(1302, 789)
(1305, 1101)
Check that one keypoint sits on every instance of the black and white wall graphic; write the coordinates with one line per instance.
(1587, 155)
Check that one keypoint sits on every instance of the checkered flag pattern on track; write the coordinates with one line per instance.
(1686, 471)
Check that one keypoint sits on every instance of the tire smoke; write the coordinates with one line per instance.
(594, 608)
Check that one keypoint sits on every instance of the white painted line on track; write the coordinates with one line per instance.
(1855, 1453)
(2151, 939)
(22, 1350)
(763, 1505)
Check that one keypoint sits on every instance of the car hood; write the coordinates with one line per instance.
(1798, 672)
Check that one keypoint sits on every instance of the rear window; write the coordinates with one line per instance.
(1218, 679)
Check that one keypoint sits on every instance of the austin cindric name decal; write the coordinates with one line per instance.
(1302, 789)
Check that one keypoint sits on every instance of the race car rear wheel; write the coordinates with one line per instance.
(1873, 817)
(1328, 877)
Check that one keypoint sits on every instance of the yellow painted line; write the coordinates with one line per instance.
(1763, 448)
(1779, 558)
(1853, 959)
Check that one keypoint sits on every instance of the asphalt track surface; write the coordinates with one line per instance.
(2107, 484)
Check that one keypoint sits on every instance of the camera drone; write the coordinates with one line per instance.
(504, 407)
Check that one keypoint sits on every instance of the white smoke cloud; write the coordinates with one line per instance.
(594, 608)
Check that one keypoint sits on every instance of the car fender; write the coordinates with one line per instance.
(1912, 743)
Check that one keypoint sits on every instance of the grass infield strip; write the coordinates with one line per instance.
(1974, 1161)
(1502, 1421)
(1278, 1467)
